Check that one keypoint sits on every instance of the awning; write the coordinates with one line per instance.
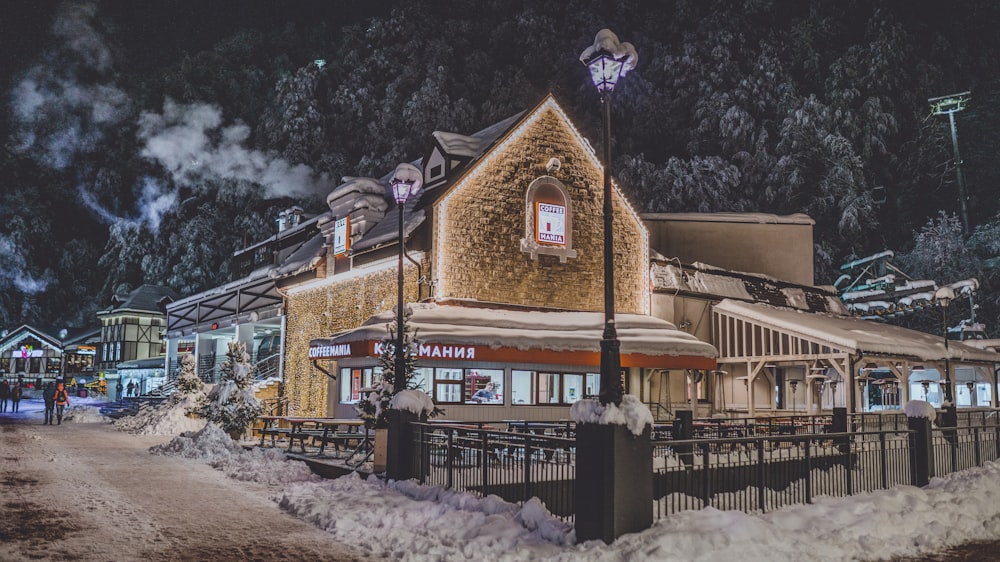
(752, 330)
(467, 333)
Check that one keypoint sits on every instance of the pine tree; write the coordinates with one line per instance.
(374, 407)
(231, 403)
(188, 382)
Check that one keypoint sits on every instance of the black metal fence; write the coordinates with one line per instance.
(765, 473)
(514, 465)
(753, 464)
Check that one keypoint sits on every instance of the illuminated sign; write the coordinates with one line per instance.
(341, 236)
(550, 223)
(86, 350)
(24, 354)
(435, 351)
(330, 351)
(26, 351)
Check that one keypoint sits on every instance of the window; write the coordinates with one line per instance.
(484, 386)
(548, 220)
(353, 381)
(534, 387)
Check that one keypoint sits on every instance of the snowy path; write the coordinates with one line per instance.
(85, 491)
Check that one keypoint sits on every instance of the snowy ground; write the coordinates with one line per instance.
(404, 521)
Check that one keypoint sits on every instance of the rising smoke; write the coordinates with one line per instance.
(65, 105)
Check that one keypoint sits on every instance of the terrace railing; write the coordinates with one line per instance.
(515, 465)
(765, 473)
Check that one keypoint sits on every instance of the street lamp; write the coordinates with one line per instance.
(405, 183)
(608, 61)
(944, 296)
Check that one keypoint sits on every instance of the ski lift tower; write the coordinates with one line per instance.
(951, 105)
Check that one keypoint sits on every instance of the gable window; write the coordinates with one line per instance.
(548, 220)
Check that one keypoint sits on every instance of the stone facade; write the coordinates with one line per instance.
(482, 224)
(325, 310)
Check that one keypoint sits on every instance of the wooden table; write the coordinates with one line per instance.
(331, 425)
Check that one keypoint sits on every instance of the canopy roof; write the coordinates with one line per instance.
(765, 328)
(548, 337)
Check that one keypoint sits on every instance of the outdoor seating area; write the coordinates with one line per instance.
(321, 438)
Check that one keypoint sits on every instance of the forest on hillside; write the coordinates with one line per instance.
(144, 143)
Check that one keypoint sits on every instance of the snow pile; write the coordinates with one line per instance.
(83, 414)
(920, 409)
(412, 400)
(267, 466)
(208, 444)
(170, 417)
(436, 525)
(631, 413)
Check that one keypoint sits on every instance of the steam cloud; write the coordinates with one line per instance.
(182, 139)
(63, 107)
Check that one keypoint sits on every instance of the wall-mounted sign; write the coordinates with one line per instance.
(185, 347)
(24, 354)
(341, 236)
(86, 350)
(550, 223)
(330, 351)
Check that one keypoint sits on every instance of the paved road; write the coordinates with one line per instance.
(89, 492)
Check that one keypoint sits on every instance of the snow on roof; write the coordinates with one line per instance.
(854, 334)
(750, 218)
(524, 330)
(455, 144)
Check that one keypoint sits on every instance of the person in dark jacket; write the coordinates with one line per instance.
(4, 395)
(50, 402)
(15, 397)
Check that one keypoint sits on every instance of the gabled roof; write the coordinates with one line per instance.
(15, 336)
(146, 298)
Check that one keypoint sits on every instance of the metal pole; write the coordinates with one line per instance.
(611, 383)
(958, 175)
(399, 378)
(947, 356)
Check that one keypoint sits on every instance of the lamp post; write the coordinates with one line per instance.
(944, 296)
(406, 181)
(608, 61)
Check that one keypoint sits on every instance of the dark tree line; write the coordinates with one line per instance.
(759, 105)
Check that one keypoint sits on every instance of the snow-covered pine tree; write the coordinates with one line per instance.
(231, 403)
(374, 407)
(187, 379)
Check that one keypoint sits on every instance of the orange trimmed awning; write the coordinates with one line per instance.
(459, 333)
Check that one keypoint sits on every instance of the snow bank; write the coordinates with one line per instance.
(84, 414)
(168, 418)
(631, 413)
(208, 444)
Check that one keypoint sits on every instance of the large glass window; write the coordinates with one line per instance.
(352, 381)
(535, 387)
(484, 386)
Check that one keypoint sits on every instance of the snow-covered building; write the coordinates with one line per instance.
(790, 346)
(504, 278)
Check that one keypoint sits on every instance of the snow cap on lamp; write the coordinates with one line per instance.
(406, 182)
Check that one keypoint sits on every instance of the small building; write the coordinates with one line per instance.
(30, 353)
(132, 328)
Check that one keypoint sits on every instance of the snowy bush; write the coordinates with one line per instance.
(231, 404)
(187, 379)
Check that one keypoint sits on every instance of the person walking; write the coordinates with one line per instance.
(4, 395)
(61, 398)
(48, 394)
(15, 397)
(131, 388)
